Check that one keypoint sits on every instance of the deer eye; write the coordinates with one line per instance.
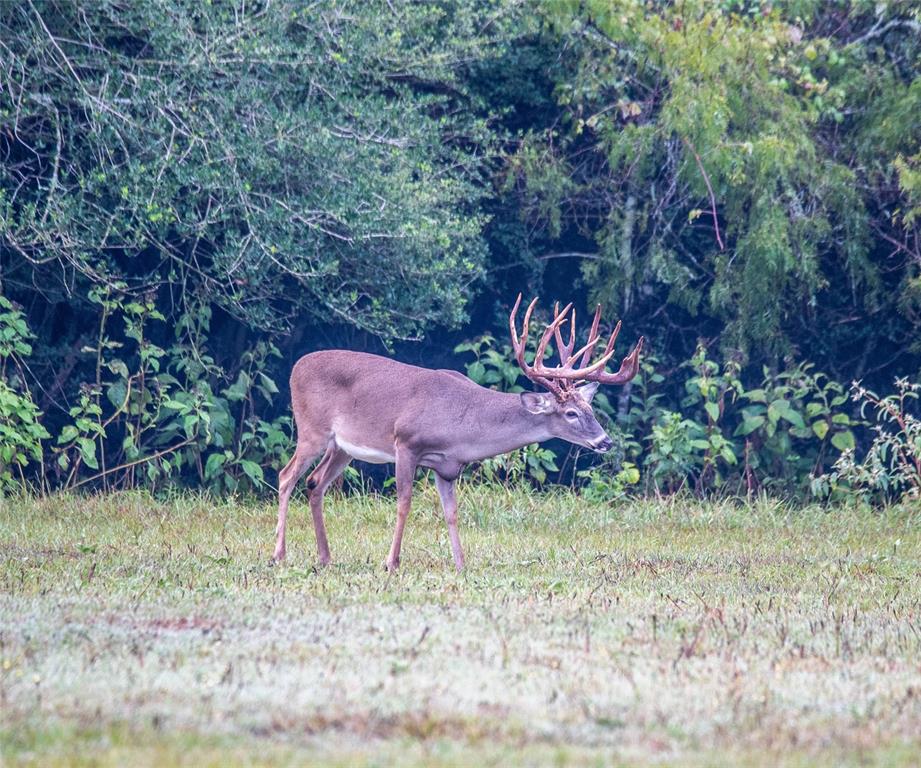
(572, 415)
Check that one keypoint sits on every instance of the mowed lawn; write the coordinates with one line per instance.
(142, 632)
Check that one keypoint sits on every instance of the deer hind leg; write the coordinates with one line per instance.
(332, 465)
(405, 472)
(304, 453)
(446, 490)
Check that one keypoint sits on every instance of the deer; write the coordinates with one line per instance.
(355, 405)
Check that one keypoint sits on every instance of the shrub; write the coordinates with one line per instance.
(891, 467)
(20, 431)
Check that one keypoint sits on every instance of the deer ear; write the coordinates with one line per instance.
(587, 391)
(535, 402)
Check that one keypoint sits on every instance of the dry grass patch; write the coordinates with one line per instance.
(648, 633)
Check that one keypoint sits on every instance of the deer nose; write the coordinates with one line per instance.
(603, 445)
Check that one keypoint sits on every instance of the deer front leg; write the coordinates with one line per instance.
(405, 472)
(449, 505)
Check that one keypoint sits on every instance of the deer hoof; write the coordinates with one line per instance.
(391, 565)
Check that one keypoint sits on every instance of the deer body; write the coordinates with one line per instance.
(353, 405)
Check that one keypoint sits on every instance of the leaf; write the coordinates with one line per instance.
(785, 411)
(88, 451)
(189, 424)
(476, 371)
(749, 425)
(238, 390)
(713, 411)
(268, 383)
(119, 367)
(843, 441)
(68, 433)
(252, 470)
(213, 464)
(820, 428)
(814, 409)
(128, 446)
(116, 393)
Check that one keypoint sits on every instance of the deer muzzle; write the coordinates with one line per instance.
(602, 444)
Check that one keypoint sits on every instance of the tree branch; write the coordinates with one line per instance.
(703, 172)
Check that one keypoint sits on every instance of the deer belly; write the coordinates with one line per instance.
(363, 452)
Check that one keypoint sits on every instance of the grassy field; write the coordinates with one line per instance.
(140, 632)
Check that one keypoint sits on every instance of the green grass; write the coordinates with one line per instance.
(141, 632)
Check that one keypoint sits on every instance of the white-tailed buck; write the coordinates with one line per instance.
(352, 405)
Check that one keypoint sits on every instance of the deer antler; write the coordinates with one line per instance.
(564, 377)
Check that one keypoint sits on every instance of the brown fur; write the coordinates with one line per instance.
(415, 417)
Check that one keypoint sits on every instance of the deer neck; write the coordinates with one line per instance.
(506, 425)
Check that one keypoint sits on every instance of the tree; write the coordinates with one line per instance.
(273, 159)
(736, 163)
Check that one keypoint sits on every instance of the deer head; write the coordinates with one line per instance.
(571, 385)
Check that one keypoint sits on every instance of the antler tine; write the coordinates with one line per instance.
(561, 379)
(586, 351)
(629, 367)
(565, 350)
(551, 329)
(606, 355)
(610, 345)
(519, 344)
(592, 334)
(511, 323)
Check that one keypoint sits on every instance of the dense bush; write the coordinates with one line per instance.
(276, 160)
(775, 436)
(193, 195)
(892, 465)
(20, 431)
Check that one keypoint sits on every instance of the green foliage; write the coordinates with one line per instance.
(326, 161)
(20, 435)
(681, 449)
(790, 423)
(21, 432)
(603, 483)
(156, 416)
(728, 437)
(737, 161)
(495, 365)
(193, 195)
(891, 467)
(15, 335)
(531, 463)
